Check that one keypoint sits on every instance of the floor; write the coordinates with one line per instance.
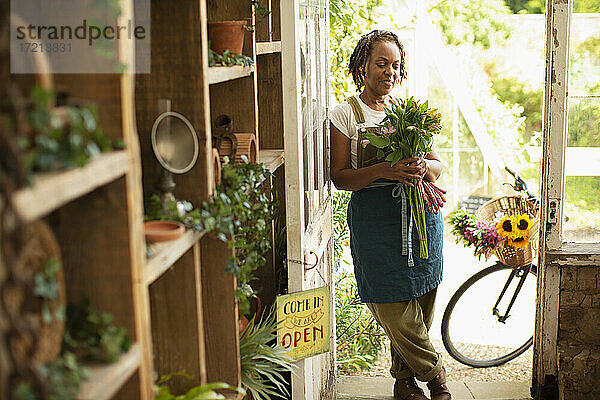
(371, 388)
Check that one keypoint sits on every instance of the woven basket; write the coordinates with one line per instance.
(512, 205)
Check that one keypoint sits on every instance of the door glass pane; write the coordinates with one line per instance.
(305, 96)
(582, 156)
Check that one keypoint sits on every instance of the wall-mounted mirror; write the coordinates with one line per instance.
(175, 146)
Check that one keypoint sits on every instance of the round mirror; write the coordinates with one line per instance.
(174, 142)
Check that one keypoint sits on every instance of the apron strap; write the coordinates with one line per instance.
(356, 109)
(399, 191)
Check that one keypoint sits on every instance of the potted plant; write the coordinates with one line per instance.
(226, 35)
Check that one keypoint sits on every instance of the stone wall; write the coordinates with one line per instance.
(579, 332)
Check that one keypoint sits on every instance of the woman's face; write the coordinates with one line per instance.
(383, 68)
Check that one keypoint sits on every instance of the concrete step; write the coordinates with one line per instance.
(370, 388)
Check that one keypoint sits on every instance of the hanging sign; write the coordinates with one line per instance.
(303, 322)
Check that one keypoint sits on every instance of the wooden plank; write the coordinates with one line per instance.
(54, 189)
(220, 313)
(167, 253)
(275, 20)
(268, 47)
(106, 380)
(270, 101)
(224, 74)
(272, 159)
(94, 236)
(175, 324)
(238, 99)
(263, 24)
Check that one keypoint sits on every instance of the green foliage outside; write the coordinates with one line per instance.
(348, 21)
(539, 6)
(472, 21)
(359, 338)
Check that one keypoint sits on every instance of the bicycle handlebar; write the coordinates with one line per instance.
(521, 186)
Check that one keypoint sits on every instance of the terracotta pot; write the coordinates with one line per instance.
(246, 144)
(226, 35)
(243, 322)
(163, 231)
(216, 162)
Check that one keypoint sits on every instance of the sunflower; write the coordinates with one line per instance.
(506, 226)
(519, 242)
(522, 224)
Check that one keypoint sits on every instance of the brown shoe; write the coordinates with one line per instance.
(438, 390)
(407, 389)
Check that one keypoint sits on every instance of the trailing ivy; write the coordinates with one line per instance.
(239, 212)
(63, 378)
(91, 335)
(228, 59)
(46, 287)
(66, 137)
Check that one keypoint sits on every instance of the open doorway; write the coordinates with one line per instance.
(482, 64)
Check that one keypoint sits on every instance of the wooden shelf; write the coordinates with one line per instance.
(268, 47)
(54, 189)
(224, 74)
(106, 380)
(272, 159)
(167, 253)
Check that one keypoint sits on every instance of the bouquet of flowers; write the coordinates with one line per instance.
(407, 131)
(483, 235)
(487, 236)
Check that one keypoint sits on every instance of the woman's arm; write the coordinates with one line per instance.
(344, 177)
(429, 167)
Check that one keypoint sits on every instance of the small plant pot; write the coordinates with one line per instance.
(226, 35)
(163, 231)
(246, 145)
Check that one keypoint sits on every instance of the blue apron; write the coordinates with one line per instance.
(384, 242)
(383, 271)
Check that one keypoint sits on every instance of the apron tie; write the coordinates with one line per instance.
(399, 190)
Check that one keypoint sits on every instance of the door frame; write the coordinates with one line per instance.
(552, 245)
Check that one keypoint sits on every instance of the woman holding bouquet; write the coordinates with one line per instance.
(398, 286)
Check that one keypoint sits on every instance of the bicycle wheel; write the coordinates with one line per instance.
(473, 334)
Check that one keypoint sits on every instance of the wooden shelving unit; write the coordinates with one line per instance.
(59, 188)
(106, 380)
(177, 304)
(268, 47)
(167, 253)
(224, 74)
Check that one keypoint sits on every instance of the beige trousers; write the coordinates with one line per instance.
(407, 325)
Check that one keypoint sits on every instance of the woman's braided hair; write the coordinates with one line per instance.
(362, 51)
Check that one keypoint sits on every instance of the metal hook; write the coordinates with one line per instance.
(315, 264)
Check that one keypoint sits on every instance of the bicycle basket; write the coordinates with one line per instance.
(511, 205)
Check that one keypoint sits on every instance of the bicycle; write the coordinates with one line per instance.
(472, 301)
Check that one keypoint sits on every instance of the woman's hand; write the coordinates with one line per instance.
(404, 170)
(422, 167)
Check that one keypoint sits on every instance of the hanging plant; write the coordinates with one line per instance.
(239, 212)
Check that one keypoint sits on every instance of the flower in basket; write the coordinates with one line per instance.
(515, 229)
(506, 226)
(483, 235)
(407, 131)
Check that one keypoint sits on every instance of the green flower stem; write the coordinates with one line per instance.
(418, 212)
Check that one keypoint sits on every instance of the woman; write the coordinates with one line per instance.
(396, 284)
